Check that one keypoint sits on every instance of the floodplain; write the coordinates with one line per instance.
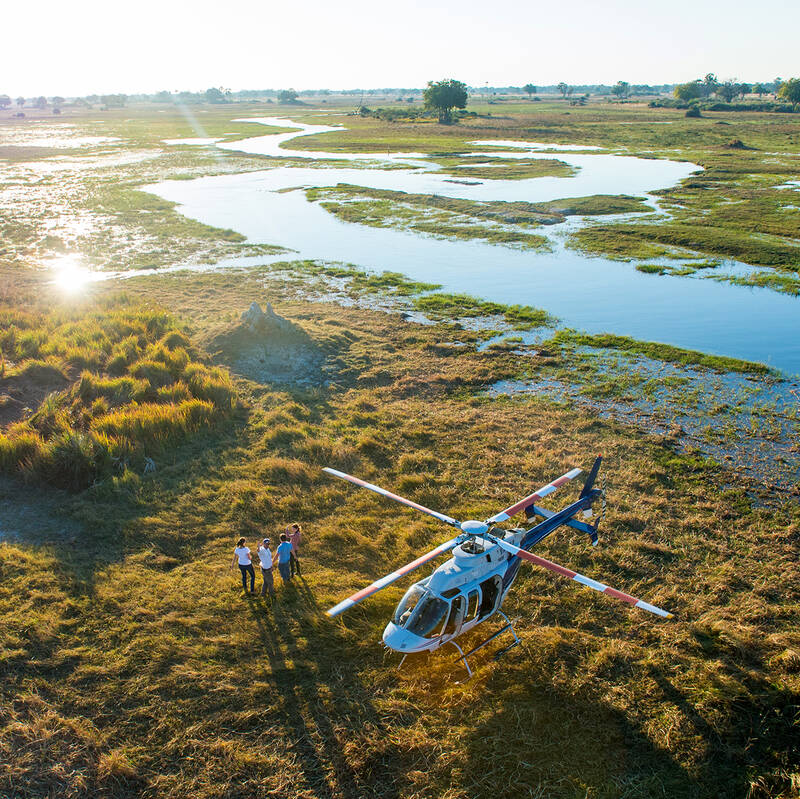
(143, 432)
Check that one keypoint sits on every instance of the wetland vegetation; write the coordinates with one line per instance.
(136, 447)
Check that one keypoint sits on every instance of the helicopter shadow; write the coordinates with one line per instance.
(322, 703)
(551, 743)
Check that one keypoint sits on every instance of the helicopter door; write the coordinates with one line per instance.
(457, 609)
(473, 604)
(490, 595)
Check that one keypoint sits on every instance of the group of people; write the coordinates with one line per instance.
(287, 554)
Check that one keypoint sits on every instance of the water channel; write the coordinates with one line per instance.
(588, 293)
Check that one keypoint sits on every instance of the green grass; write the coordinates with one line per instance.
(454, 306)
(503, 168)
(140, 389)
(661, 352)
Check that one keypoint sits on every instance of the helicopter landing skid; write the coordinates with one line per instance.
(509, 625)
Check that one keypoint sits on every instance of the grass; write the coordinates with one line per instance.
(117, 624)
(116, 383)
(492, 168)
(662, 352)
(455, 306)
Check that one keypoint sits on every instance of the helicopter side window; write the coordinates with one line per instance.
(473, 601)
(456, 619)
(428, 618)
(407, 605)
(489, 589)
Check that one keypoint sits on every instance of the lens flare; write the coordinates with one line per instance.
(69, 274)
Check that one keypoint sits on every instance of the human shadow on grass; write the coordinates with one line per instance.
(316, 678)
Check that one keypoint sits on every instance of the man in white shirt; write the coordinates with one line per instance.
(265, 556)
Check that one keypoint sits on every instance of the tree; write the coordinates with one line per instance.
(790, 90)
(709, 85)
(41, 102)
(214, 95)
(622, 89)
(287, 96)
(743, 88)
(563, 88)
(20, 101)
(688, 91)
(58, 101)
(5, 101)
(727, 91)
(760, 89)
(114, 100)
(443, 96)
(530, 89)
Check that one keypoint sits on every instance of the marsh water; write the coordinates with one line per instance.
(588, 293)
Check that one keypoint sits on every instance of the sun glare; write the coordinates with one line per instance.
(69, 274)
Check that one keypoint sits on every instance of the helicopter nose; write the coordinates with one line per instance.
(402, 640)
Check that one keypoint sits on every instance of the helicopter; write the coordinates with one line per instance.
(471, 586)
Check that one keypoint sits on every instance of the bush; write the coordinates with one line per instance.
(694, 111)
(75, 459)
(19, 450)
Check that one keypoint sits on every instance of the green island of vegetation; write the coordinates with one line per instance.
(455, 218)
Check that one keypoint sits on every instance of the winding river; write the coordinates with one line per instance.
(589, 293)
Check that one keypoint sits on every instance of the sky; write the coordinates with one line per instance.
(53, 47)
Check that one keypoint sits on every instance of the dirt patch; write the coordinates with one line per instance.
(269, 349)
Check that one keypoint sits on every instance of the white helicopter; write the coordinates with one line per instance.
(470, 587)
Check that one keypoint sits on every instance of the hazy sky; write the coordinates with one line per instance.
(87, 46)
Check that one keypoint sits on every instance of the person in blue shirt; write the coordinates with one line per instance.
(284, 553)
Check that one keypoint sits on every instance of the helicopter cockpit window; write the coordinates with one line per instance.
(407, 604)
(428, 617)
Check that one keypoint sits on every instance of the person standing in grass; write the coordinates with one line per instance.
(265, 556)
(294, 532)
(284, 553)
(242, 555)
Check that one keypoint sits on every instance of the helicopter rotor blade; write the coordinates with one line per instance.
(531, 498)
(579, 578)
(402, 500)
(348, 603)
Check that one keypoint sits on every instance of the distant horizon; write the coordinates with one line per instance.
(474, 90)
(82, 48)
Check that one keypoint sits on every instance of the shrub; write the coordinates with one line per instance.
(19, 449)
(157, 374)
(117, 390)
(211, 384)
(74, 459)
(156, 425)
